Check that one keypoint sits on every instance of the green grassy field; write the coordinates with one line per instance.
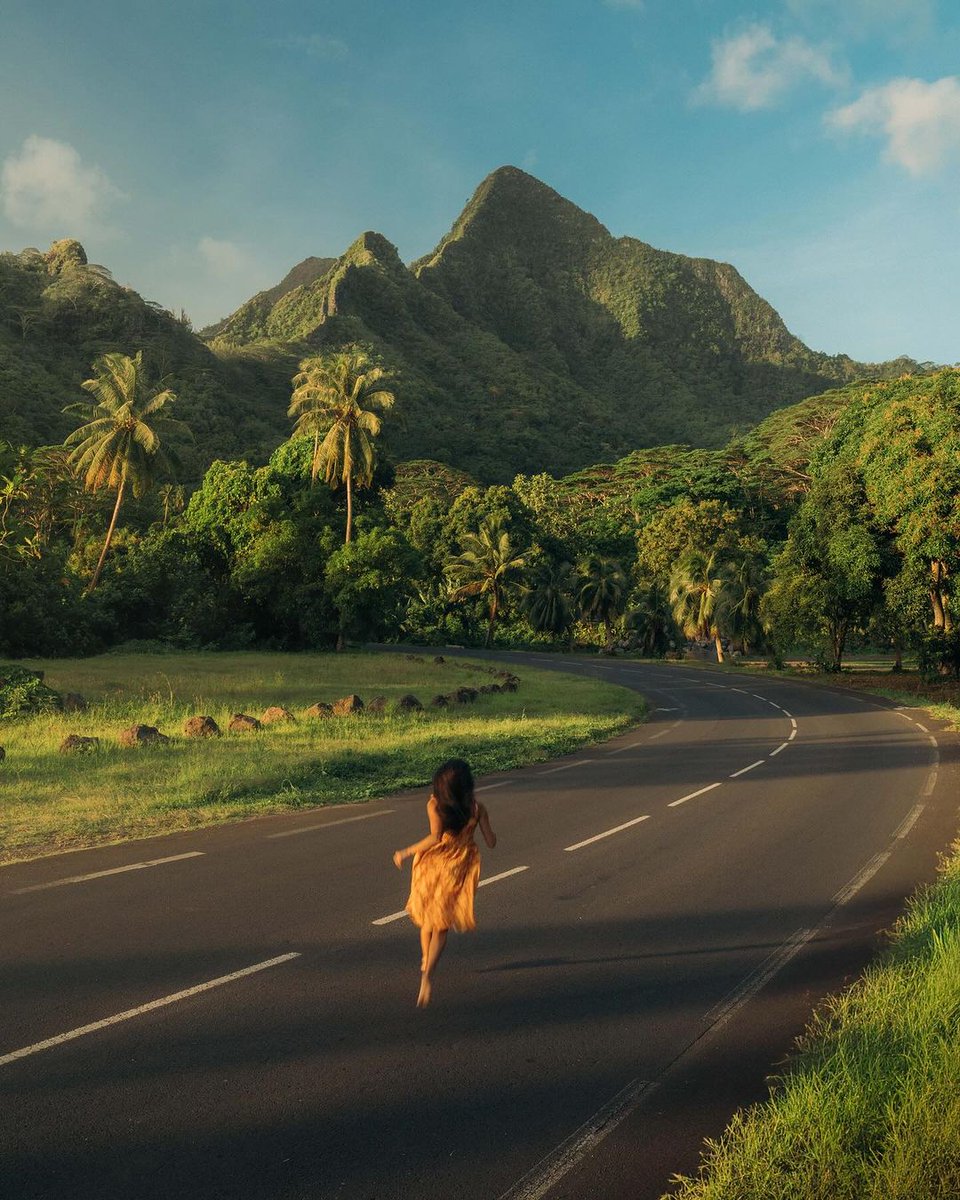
(869, 1108)
(52, 802)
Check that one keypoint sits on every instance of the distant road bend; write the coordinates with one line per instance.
(229, 1012)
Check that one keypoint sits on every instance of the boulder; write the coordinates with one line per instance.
(276, 715)
(466, 695)
(201, 727)
(318, 710)
(242, 723)
(73, 743)
(73, 702)
(409, 703)
(347, 705)
(377, 705)
(142, 735)
(439, 660)
(439, 702)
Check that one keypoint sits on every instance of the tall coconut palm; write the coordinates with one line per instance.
(697, 585)
(487, 566)
(602, 592)
(329, 398)
(739, 602)
(119, 446)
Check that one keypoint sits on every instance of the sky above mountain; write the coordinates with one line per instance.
(199, 148)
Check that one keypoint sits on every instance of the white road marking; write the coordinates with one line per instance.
(14, 1055)
(606, 833)
(923, 727)
(849, 890)
(718, 1016)
(381, 812)
(674, 709)
(396, 916)
(793, 722)
(137, 866)
(793, 734)
(490, 786)
(631, 745)
(774, 753)
(684, 799)
(567, 766)
(653, 736)
(744, 770)
(908, 822)
(539, 1180)
(931, 782)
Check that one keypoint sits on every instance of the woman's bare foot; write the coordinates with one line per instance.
(423, 999)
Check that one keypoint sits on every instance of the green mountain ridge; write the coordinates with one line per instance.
(529, 340)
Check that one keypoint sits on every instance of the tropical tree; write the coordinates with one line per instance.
(602, 591)
(488, 565)
(744, 579)
(548, 603)
(119, 446)
(697, 584)
(649, 618)
(331, 398)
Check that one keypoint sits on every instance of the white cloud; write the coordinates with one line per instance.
(753, 69)
(894, 19)
(317, 45)
(223, 257)
(46, 184)
(920, 120)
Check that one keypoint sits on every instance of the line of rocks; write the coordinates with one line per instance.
(199, 727)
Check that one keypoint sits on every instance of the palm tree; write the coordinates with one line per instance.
(602, 592)
(697, 584)
(486, 566)
(328, 401)
(119, 445)
(549, 600)
(739, 603)
(649, 618)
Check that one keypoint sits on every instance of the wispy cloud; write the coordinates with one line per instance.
(224, 258)
(46, 184)
(920, 121)
(754, 69)
(895, 20)
(320, 46)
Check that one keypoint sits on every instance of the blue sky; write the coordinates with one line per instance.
(200, 149)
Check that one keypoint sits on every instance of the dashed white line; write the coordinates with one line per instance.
(793, 722)
(487, 787)
(744, 770)
(606, 833)
(381, 812)
(568, 766)
(397, 916)
(923, 727)
(684, 799)
(72, 1034)
(631, 745)
(653, 736)
(774, 753)
(793, 734)
(137, 866)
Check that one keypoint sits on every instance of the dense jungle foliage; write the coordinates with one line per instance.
(835, 520)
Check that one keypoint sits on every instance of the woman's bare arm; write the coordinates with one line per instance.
(436, 831)
(483, 820)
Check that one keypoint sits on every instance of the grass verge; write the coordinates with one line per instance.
(52, 802)
(869, 1108)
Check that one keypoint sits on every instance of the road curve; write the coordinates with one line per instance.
(229, 1012)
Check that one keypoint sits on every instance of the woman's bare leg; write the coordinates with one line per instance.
(425, 933)
(438, 940)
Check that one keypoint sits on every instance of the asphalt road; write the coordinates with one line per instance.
(658, 919)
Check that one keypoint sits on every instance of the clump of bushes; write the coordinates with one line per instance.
(23, 692)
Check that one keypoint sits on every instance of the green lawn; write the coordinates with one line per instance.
(52, 802)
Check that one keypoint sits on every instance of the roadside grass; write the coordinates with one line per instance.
(52, 802)
(869, 1107)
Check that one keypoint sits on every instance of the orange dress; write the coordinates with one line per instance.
(444, 881)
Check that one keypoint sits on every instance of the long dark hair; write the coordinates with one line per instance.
(453, 790)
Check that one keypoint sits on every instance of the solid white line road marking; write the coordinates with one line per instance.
(489, 786)
(653, 736)
(774, 753)
(396, 916)
(606, 833)
(849, 890)
(631, 745)
(793, 734)
(931, 782)
(381, 812)
(14, 1055)
(718, 1016)
(744, 770)
(568, 766)
(908, 822)
(793, 722)
(137, 866)
(684, 799)
(539, 1180)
